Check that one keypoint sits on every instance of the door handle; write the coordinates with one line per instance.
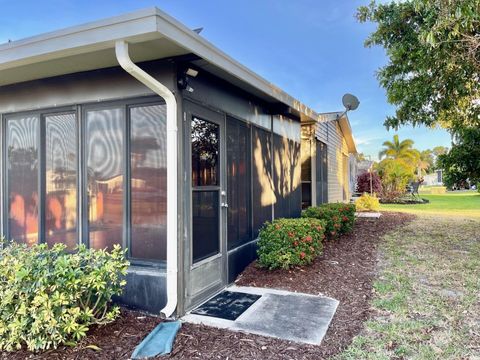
(224, 205)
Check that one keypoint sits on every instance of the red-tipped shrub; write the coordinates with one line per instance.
(285, 243)
(363, 183)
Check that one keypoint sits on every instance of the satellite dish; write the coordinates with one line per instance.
(350, 102)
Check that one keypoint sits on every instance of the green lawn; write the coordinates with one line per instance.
(426, 297)
(463, 204)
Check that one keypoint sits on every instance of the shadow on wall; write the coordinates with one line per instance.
(280, 189)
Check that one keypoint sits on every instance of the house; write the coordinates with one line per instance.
(433, 179)
(134, 130)
(328, 148)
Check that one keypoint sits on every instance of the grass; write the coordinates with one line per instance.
(426, 297)
(459, 204)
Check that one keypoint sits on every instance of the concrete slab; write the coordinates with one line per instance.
(280, 314)
(372, 215)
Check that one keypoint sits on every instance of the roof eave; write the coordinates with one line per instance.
(138, 26)
(345, 127)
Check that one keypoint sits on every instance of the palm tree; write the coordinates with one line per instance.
(424, 163)
(399, 150)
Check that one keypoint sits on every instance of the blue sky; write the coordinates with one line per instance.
(312, 49)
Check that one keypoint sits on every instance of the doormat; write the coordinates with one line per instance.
(227, 305)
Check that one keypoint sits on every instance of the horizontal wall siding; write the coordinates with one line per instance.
(321, 132)
(331, 134)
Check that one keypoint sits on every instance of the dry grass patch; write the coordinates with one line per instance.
(426, 302)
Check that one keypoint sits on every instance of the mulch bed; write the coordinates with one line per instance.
(113, 341)
(345, 272)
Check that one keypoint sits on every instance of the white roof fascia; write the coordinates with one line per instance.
(141, 25)
(138, 26)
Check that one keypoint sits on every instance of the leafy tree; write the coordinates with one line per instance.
(462, 162)
(439, 150)
(433, 72)
(397, 149)
(363, 183)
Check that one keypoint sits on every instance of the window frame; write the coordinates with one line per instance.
(321, 169)
(40, 138)
(42, 173)
(80, 111)
(307, 138)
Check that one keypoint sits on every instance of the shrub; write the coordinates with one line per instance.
(290, 242)
(346, 213)
(363, 183)
(391, 196)
(331, 218)
(50, 297)
(406, 199)
(339, 218)
(366, 202)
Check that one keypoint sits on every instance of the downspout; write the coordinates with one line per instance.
(121, 51)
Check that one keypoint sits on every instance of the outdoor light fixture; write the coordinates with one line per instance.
(183, 77)
(191, 72)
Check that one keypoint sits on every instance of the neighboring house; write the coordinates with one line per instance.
(433, 179)
(180, 160)
(327, 170)
(353, 173)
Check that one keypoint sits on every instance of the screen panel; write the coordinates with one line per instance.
(262, 180)
(148, 171)
(322, 172)
(22, 178)
(287, 175)
(306, 172)
(105, 171)
(239, 227)
(206, 224)
(61, 179)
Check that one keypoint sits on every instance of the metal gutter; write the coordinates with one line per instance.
(121, 51)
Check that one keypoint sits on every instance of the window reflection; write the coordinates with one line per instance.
(105, 177)
(61, 180)
(205, 152)
(22, 172)
(148, 181)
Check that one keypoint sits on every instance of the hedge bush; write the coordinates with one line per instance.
(339, 217)
(284, 243)
(50, 297)
(346, 212)
(367, 203)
